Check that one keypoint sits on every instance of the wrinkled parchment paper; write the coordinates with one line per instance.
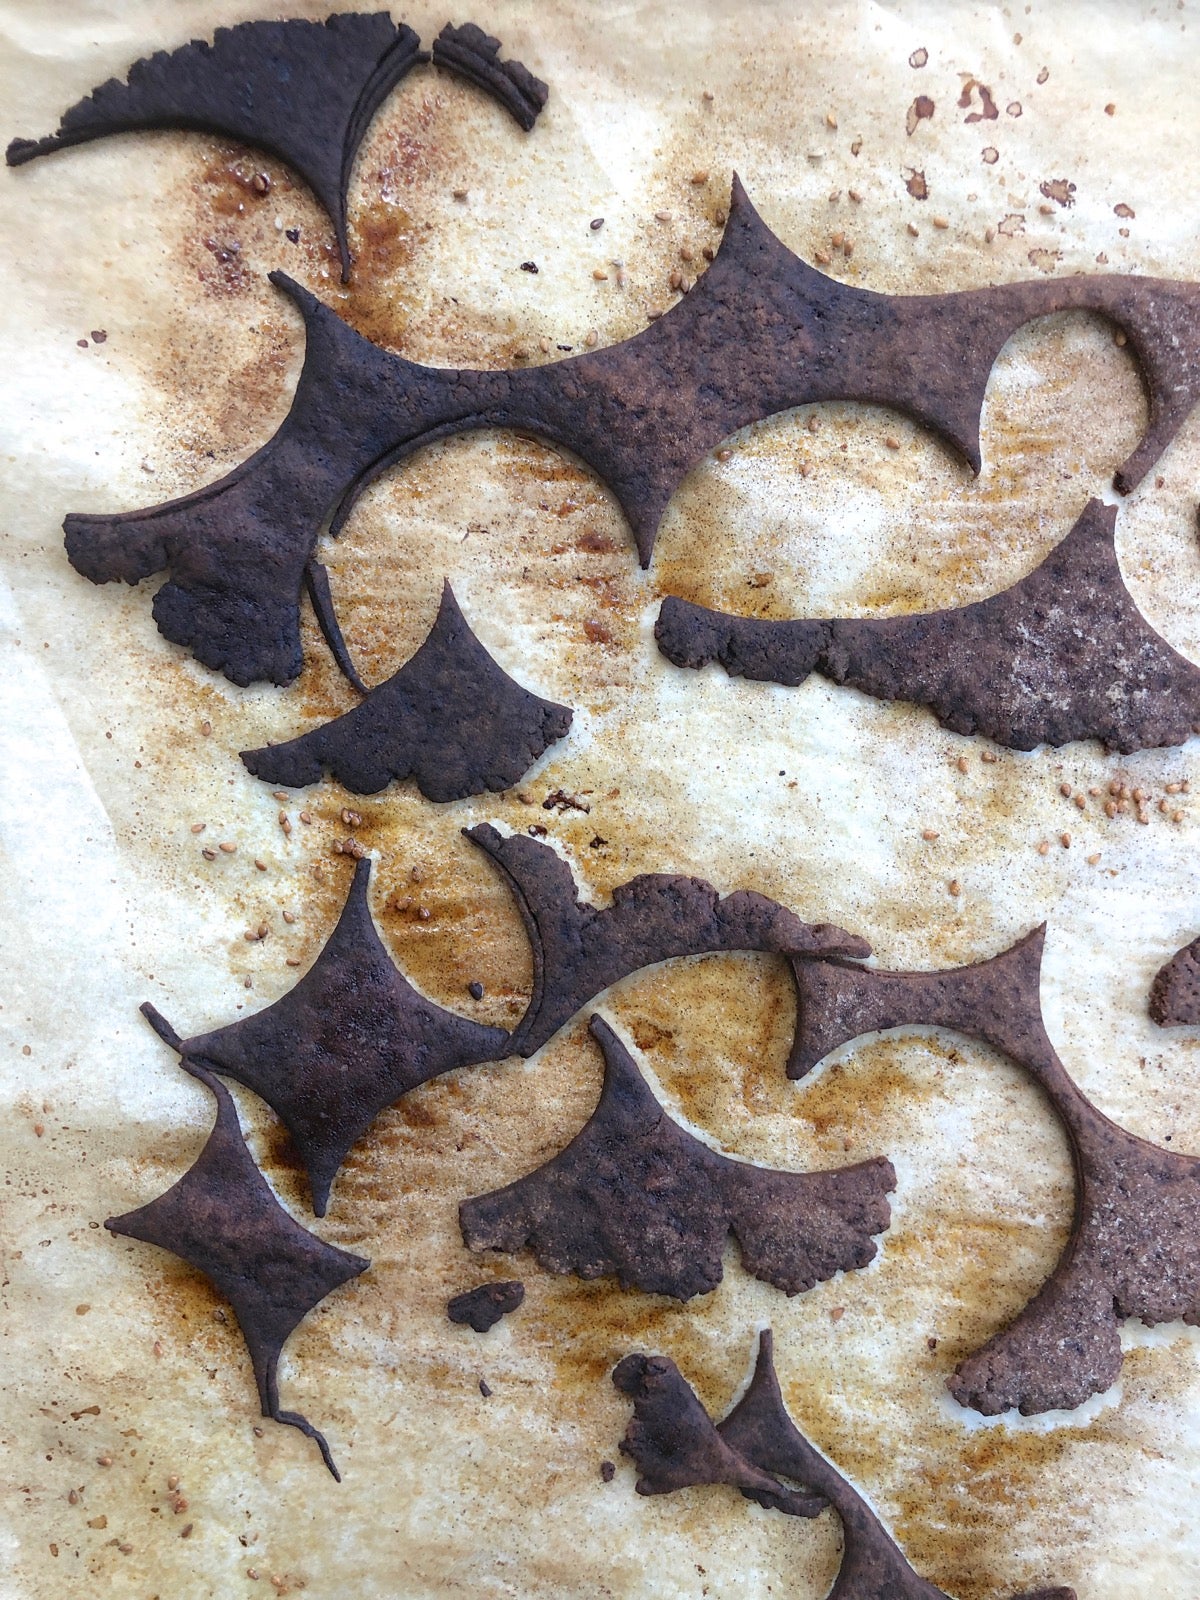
(117, 744)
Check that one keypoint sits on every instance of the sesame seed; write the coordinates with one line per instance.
(261, 865)
(1064, 839)
(892, 443)
(1043, 848)
(1177, 816)
(823, 258)
(591, 338)
(1110, 110)
(1081, 801)
(837, 240)
(289, 916)
(1162, 806)
(206, 728)
(1095, 791)
(699, 177)
(962, 764)
(292, 961)
(724, 455)
(848, 248)
(459, 194)
(1120, 339)
(929, 834)
(686, 253)
(662, 216)
(596, 224)
(814, 423)
(830, 120)
(173, 1482)
(544, 345)
(676, 278)
(1174, 788)
(72, 1498)
(352, 819)
(229, 849)
(855, 196)
(1143, 817)
(1139, 795)
(104, 1461)
(186, 1531)
(941, 222)
(1110, 808)
(954, 887)
(306, 818)
(1093, 859)
(836, 1313)
(38, 1130)
(989, 756)
(599, 274)
(199, 827)
(252, 1572)
(1064, 789)
(209, 855)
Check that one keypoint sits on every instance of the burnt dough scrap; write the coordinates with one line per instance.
(1134, 1249)
(635, 1196)
(760, 332)
(222, 1218)
(302, 91)
(1064, 654)
(1175, 992)
(348, 1040)
(450, 718)
(675, 1444)
(483, 1307)
(579, 950)
(475, 55)
(673, 1441)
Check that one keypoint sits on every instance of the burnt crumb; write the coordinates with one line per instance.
(99, 335)
(559, 800)
(921, 109)
(475, 990)
(1134, 1249)
(483, 1307)
(1063, 655)
(292, 234)
(1175, 992)
(450, 718)
(238, 550)
(529, 266)
(1060, 190)
(475, 55)
(579, 950)
(608, 1471)
(352, 1037)
(222, 1218)
(636, 1196)
(988, 111)
(485, 1388)
(916, 185)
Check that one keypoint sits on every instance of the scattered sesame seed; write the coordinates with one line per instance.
(653, 314)
(261, 865)
(700, 176)
(544, 345)
(1177, 816)
(962, 764)
(252, 1572)
(989, 756)
(591, 338)
(1110, 808)
(892, 443)
(837, 240)
(599, 274)
(1143, 817)
(856, 146)
(929, 834)
(1174, 788)
(292, 961)
(205, 729)
(676, 279)
(686, 253)
(914, 230)
(836, 1313)
(229, 849)
(662, 216)
(1110, 110)
(209, 855)
(724, 455)
(1095, 791)
(38, 1130)
(186, 1531)
(954, 887)
(855, 196)
(352, 819)
(848, 248)
(941, 222)
(72, 1498)
(1139, 795)
(830, 120)
(1043, 849)
(1064, 839)
(173, 1482)
(823, 258)
(814, 423)
(1119, 339)
(199, 827)
(1064, 789)
(459, 194)
(306, 818)
(104, 1461)
(1081, 801)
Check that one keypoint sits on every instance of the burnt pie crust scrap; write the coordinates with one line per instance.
(349, 1039)
(1134, 1249)
(222, 1218)
(302, 91)
(482, 1308)
(1063, 654)
(450, 718)
(761, 331)
(675, 1444)
(1175, 992)
(580, 950)
(636, 1196)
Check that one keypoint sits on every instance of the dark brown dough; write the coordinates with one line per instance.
(348, 1040)
(450, 718)
(303, 91)
(475, 55)
(222, 1218)
(760, 332)
(634, 1195)
(675, 1445)
(578, 950)
(1175, 992)
(671, 1439)
(1064, 654)
(482, 1308)
(1134, 1249)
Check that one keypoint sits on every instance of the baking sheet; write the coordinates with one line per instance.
(817, 796)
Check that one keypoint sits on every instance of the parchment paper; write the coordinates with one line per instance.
(816, 796)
